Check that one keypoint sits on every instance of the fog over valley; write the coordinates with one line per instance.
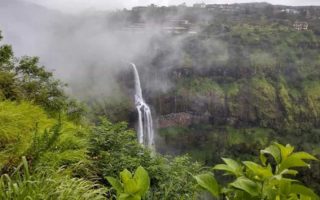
(159, 100)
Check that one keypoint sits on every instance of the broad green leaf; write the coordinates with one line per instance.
(304, 155)
(270, 191)
(258, 170)
(302, 190)
(284, 186)
(115, 184)
(124, 196)
(285, 150)
(247, 185)
(290, 172)
(296, 160)
(226, 190)
(224, 167)
(231, 163)
(231, 167)
(142, 179)
(125, 176)
(242, 195)
(303, 197)
(274, 151)
(131, 187)
(293, 197)
(209, 183)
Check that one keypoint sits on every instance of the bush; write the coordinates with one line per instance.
(113, 147)
(272, 179)
(131, 186)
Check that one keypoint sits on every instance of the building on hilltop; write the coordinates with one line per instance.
(170, 26)
(222, 7)
(290, 11)
(182, 22)
(139, 8)
(300, 26)
(199, 5)
(176, 26)
(182, 5)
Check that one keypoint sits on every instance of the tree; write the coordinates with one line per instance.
(25, 79)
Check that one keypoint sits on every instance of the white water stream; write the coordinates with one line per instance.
(145, 129)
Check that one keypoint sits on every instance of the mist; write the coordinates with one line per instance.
(86, 51)
(74, 6)
(90, 49)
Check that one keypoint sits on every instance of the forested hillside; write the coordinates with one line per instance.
(247, 77)
(62, 154)
(225, 83)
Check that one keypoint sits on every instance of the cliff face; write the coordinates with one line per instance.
(182, 119)
(243, 75)
(255, 102)
(244, 80)
(275, 87)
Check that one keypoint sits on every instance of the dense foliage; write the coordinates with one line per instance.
(131, 186)
(46, 185)
(243, 57)
(23, 79)
(244, 84)
(247, 78)
(114, 148)
(272, 179)
(63, 156)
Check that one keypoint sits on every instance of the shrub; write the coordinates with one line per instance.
(131, 187)
(272, 179)
(113, 147)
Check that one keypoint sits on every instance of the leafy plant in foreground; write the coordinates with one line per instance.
(272, 179)
(131, 187)
(47, 184)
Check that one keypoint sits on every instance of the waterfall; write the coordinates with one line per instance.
(145, 129)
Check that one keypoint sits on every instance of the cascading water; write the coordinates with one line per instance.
(145, 129)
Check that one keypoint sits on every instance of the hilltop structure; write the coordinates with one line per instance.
(301, 26)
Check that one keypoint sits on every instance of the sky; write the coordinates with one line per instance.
(73, 6)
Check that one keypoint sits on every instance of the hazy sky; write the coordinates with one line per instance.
(80, 5)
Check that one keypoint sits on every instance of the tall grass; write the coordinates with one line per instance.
(42, 185)
(26, 130)
(18, 122)
(62, 144)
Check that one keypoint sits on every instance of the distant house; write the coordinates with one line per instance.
(212, 7)
(199, 5)
(135, 27)
(183, 5)
(290, 11)
(178, 26)
(222, 7)
(300, 26)
(182, 22)
(153, 6)
(139, 8)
